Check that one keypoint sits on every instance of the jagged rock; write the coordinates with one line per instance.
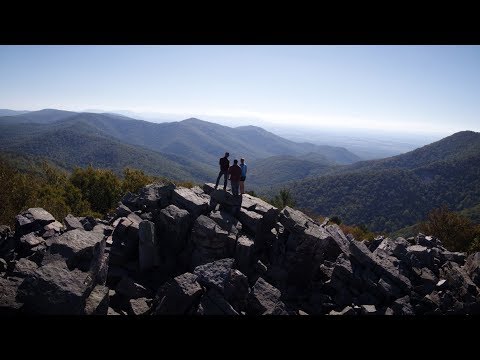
(264, 298)
(244, 255)
(150, 197)
(72, 222)
(187, 199)
(295, 221)
(268, 211)
(397, 248)
(210, 241)
(122, 211)
(384, 268)
(54, 289)
(138, 306)
(33, 219)
(348, 310)
(427, 241)
(97, 301)
(131, 290)
(103, 229)
(213, 303)
(420, 256)
(179, 295)
(402, 306)
(81, 248)
(425, 280)
(226, 222)
(88, 223)
(250, 220)
(147, 252)
(174, 225)
(225, 198)
(30, 242)
(472, 267)
(125, 240)
(214, 274)
(458, 279)
(236, 289)
(372, 245)
(24, 268)
(8, 293)
(112, 312)
(368, 309)
(457, 257)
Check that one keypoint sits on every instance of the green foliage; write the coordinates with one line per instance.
(456, 232)
(284, 198)
(134, 180)
(102, 188)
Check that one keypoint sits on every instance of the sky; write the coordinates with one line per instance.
(418, 89)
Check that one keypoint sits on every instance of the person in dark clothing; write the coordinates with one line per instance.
(235, 173)
(224, 166)
(243, 166)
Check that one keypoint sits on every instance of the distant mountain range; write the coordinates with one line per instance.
(395, 192)
(187, 150)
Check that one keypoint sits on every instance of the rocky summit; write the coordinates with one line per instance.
(177, 251)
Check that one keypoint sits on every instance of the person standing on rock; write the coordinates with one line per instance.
(224, 166)
(243, 166)
(235, 173)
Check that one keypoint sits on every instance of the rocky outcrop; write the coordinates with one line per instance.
(179, 251)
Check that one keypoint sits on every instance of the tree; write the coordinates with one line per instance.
(454, 230)
(284, 198)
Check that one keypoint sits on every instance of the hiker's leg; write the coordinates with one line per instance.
(226, 179)
(218, 178)
(234, 187)
(242, 187)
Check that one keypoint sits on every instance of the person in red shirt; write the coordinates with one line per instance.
(224, 165)
(235, 173)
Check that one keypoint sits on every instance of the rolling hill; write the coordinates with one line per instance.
(201, 141)
(392, 193)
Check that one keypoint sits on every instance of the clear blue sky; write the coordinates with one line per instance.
(396, 88)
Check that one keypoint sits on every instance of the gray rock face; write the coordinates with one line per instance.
(250, 220)
(147, 250)
(214, 274)
(361, 254)
(138, 306)
(264, 298)
(210, 241)
(174, 225)
(97, 302)
(472, 267)
(179, 296)
(80, 248)
(54, 289)
(236, 289)
(150, 197)
(24, 268)
(187, 199)
(244, 254)
(397, 248)
(34, 219)
(8, 293)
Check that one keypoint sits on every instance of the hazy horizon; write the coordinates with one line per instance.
(411, 89)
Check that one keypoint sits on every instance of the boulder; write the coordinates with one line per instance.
(80, 248)
(472, 267)
(457, 257)
(54, 289)
(236, 289)
(244, 254)
(179, 296)
(8, 293)
(147, 250)
(420, 256)
(34, 219)
(264, 298)
(138, 306)
(97, 301)
(214, 274)
(250, 220)
(150, 197)
(174, 225)
(383, 267)
(187, 199)
(24, 268)
(397, 248)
